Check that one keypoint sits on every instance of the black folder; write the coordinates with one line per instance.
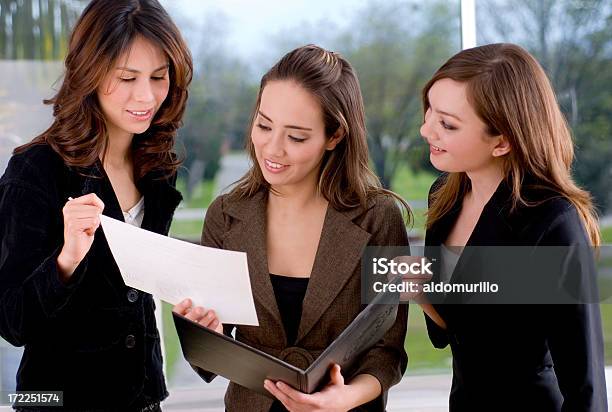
(247, 366)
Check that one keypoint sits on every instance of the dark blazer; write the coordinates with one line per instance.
(93, 338)
(333, 297)
(521, 357)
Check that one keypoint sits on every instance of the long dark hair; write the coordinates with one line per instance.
(104, 32)
(345, 178)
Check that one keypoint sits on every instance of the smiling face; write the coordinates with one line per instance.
(457, 137)
(135, 89)
(288, 135)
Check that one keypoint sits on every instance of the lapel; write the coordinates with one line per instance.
(249, 235)
(338, 254)
(340, 249)
(493, 228)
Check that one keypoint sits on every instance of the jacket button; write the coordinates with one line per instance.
(132, 295)
(130, 341)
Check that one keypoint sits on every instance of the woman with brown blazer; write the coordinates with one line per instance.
(304, 214)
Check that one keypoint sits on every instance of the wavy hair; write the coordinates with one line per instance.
(512, 95)
(104, 32)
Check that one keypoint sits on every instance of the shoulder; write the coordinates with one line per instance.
(385, 204)
(383, 219)
(440, 180)
(217, 207)
(553, 221)
(36, 166)
(379, 207)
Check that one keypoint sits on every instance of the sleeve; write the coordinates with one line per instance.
(574, 332)
(212, 236)
(214, 224)
(387, 360)
(31, 292)
(438, 336)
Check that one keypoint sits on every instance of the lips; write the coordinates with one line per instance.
(435, 149)
(140, 114)
(274, 167)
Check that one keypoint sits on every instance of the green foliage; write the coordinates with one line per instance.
(394, 54)
(606, 235)
(38, 29)
(572, 40)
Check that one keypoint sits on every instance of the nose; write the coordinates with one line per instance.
(143, 92)
(426, 130)
(276, 144)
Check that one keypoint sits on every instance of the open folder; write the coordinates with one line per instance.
(247, 366)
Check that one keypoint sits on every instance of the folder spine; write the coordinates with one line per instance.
(303, 380)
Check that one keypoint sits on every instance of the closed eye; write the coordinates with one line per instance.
(296, 139)
(264, 128)
(447, 126)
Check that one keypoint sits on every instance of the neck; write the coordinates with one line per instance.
(118, 152)
(294, 197)
(484, 183)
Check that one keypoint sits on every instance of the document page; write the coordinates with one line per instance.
(173, 270)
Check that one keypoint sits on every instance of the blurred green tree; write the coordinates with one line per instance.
(36, 29)
(573, 42)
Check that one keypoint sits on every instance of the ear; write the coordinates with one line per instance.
(502, 147)
(335, 139)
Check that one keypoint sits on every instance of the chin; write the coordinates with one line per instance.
(437, 164)
(139, 130)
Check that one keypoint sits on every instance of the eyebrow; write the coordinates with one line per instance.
(127, 69)
(448, 114)
(288, 126)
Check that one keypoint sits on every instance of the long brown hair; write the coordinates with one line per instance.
(345, 178)
(512, 95)
(106, 30)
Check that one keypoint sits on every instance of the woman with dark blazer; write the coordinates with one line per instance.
(304, 214)
(109, 150)
(495, 129)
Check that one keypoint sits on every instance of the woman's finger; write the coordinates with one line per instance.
(294, 394)
(278, 394)
(182, 307)
(89, 199)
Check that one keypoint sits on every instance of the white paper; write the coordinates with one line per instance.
(173, 270)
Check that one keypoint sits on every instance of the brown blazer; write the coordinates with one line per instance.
(333, 296)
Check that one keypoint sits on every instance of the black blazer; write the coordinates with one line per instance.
(93, 338)
(521, 357)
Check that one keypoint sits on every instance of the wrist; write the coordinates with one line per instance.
(351, 397)
(362, 389)
(65, 266)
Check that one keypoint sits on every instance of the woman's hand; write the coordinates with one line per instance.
(204, 317)
(334, 397)
(416, 293)
(415, 281)
(81, 220)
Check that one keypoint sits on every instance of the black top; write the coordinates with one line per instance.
(93, 338)
(290, 292)
(503, 355)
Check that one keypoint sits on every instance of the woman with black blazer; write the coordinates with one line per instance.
(494, 127)
(109, 150)
(304, 213)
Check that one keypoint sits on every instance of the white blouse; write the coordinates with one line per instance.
(135, 215)
(449, 262)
